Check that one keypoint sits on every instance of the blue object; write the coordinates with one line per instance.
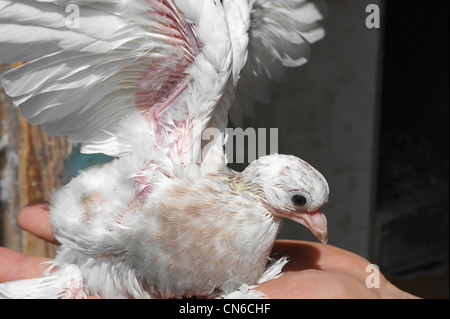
(78, 161)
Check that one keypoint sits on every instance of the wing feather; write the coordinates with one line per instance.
(166, 59)
(175, 62)
(279, 33)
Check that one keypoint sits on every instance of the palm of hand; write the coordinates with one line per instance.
(324, 271)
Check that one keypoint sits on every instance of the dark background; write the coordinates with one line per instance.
(411, 220)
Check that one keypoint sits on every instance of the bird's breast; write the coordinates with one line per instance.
(207, 242)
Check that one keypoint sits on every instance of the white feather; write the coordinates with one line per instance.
(63, 283)
(279, 35)
(273, 271)
(81, 82)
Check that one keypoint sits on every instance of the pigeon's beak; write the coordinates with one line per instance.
(316, 223)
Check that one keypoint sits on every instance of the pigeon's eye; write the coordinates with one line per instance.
(299, 200)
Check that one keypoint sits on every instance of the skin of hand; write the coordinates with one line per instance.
(314, 270)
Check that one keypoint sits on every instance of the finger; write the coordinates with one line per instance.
(17, 266)
(35, 219)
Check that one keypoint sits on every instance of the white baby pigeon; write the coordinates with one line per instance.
(142, 81)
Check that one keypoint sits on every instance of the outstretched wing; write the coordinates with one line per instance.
(278, 34)
(93, 63)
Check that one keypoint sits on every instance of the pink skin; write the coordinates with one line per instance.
(181, 27)
(74, 292)
(154, 101)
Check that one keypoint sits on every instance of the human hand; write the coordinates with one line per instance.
(314, 270)
(320, 271)
(15, 265)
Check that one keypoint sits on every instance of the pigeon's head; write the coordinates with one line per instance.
(293, 189)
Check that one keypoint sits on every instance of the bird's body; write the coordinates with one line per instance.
(192, 237)
(195, 233)
(142, 80)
